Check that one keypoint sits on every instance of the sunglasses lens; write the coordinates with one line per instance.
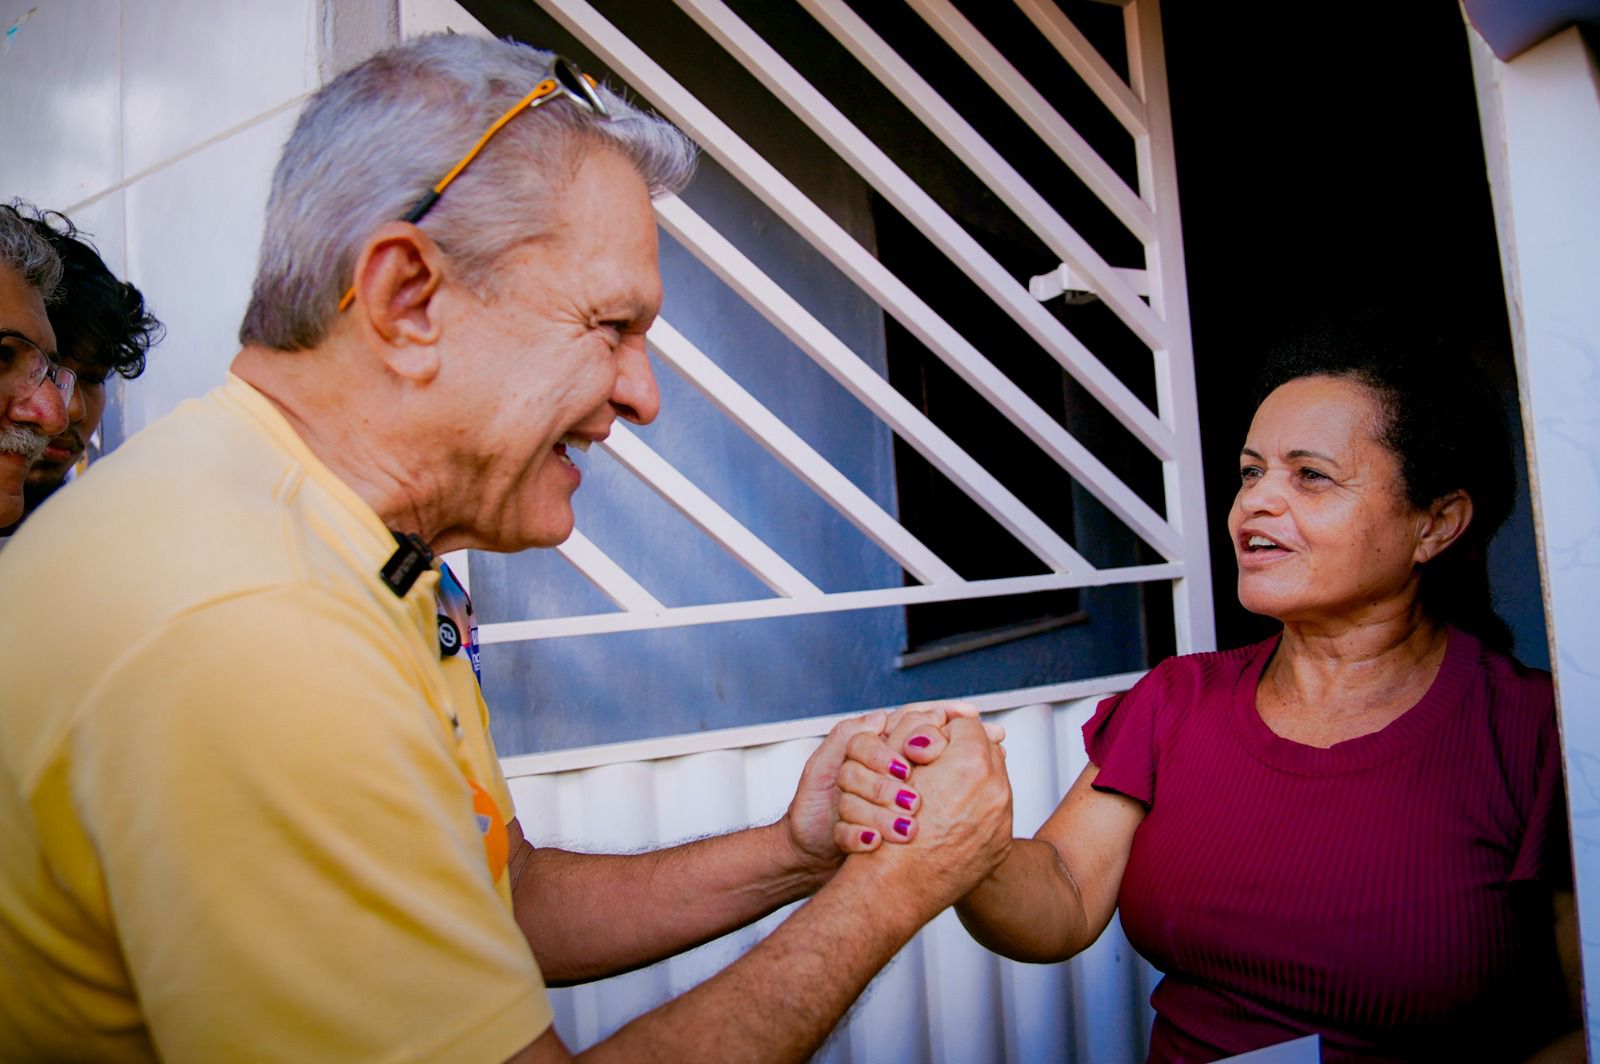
(572, 79)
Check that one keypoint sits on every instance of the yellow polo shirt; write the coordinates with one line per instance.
(245, 811)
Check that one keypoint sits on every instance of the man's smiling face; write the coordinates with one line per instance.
(558, 353)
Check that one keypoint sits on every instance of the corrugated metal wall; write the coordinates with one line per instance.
(944, 999)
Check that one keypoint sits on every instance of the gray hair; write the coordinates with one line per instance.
(374, 140)
(24, 250)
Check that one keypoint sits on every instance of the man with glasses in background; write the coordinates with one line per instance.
(101, 327)
(250, 808)
(34, 390)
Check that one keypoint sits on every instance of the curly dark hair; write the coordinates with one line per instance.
(1445, 425)
(97, 319)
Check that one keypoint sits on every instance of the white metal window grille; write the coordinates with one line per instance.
(1149, 300)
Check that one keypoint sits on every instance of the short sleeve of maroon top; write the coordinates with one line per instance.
(1391, 893)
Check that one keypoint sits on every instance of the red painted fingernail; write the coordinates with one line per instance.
(905, 799)
(899, 770)
(867, 837)
(920, 741)
(903, 826)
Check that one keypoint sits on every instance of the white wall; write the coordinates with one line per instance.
(155, 128)
(1541, 121)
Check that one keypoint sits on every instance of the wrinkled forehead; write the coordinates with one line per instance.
(22, 310)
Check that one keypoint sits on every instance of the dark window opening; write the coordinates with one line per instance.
(936, 510)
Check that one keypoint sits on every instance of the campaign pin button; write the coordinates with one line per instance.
(449, 637)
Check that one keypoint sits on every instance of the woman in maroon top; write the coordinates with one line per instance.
(1357, 828)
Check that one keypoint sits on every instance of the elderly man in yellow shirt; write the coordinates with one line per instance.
(250, 809)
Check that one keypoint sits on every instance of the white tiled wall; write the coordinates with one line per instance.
(60, 99)
(194, 69)
(193, 230)
(155, 124)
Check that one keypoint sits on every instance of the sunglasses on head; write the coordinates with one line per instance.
(564, 80)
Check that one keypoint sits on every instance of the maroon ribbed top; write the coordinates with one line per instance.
(1390, 893)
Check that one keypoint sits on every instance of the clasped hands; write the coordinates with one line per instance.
(922, 792)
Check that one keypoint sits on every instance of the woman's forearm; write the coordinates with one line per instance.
(1029, 908)
(1056, 892)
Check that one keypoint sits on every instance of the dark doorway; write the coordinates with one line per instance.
(1329, 162)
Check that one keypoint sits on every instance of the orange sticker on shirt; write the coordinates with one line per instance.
(496, 843)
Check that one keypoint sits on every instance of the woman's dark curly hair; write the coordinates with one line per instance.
(96, 317)
(1447, 427)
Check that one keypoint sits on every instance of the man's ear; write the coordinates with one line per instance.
(1443, 522)
(398, 276)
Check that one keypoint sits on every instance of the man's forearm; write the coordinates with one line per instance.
(592, 915)
(779, 1001)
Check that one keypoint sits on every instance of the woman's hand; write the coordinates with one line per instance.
(964, 830)
(878, 797)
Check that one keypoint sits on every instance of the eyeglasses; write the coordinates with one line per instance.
(21, 358)
(565, 80)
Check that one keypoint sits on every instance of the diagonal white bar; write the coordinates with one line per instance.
(612, 580)
(912, 425)
(1091, 66)
(751, 551)
(913, 90)
(1032, 108)
(799, 457)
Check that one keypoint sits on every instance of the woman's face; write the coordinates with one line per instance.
(1320, 527)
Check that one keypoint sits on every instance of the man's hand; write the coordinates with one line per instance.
(814, 810)
(588, 916)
